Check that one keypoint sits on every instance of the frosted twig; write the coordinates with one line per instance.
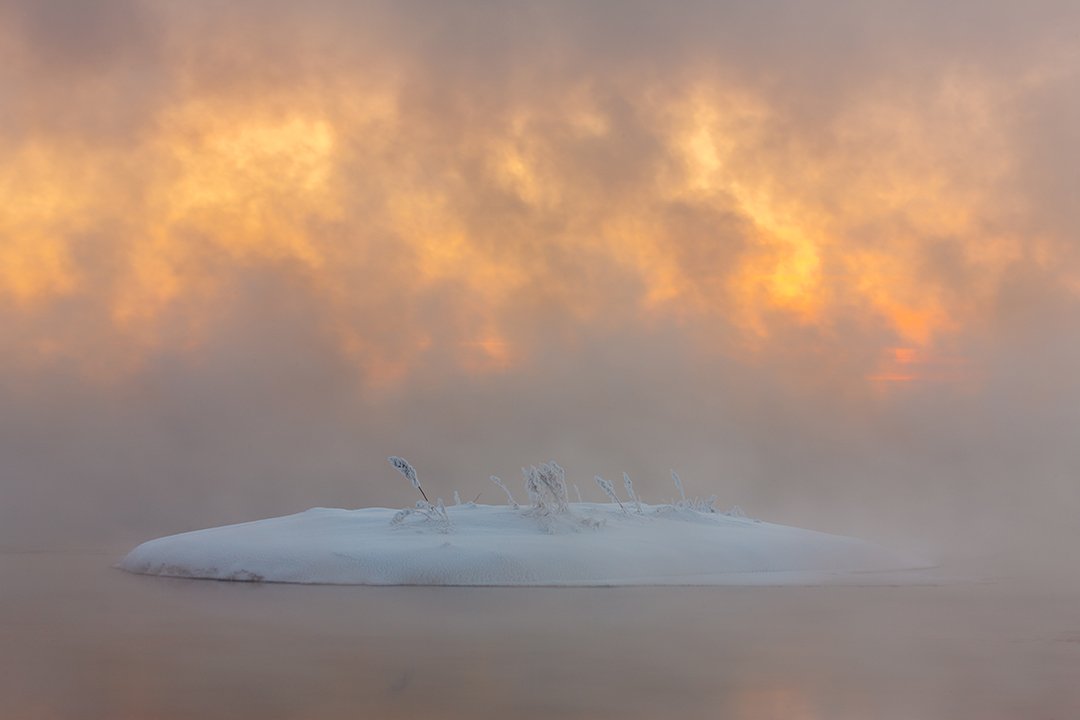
(509, 496)
(609, 490)
(402, 466)
(695, 504)
(436, 513)
(546, 484)
(678, 484)
(433, 513)
(630, 491)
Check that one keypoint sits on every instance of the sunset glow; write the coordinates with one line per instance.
(608, 200)
(724, 355)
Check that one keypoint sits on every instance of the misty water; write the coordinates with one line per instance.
(81, 639)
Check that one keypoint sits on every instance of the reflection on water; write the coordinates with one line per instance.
(79, 639)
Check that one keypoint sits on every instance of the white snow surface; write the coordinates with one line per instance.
(591, 545)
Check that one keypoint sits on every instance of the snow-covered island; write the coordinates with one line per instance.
(549, 541)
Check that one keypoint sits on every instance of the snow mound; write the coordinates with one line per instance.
(588, 545)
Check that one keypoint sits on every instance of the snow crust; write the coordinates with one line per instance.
(497, 545)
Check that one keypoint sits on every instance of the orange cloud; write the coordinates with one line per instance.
(427, 229)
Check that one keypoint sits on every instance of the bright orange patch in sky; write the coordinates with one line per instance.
(906, 365)
(381, 211)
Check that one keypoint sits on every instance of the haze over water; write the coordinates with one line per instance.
(819, 257)
(81, 641)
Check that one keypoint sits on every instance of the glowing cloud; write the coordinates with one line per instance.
(430, 209)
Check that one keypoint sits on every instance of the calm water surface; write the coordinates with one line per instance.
(79, 639)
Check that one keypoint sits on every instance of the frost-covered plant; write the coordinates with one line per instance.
(434, 513)
(553, 476)
(509, 496)
(630, 491)
(695, 504)
(678, 484)
(457, 498)
(706, 505)
(550, 500)
(546, 484)
(402, 466)
(578, 491)
(609, 490)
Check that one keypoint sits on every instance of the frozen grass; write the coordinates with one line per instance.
(546, 484)
(696, 504)
(549, 496)
(435, 514)
(509, 495)
(549, 499)
(609, 490)
(630, 491)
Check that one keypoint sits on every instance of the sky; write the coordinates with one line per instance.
(820, 257)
